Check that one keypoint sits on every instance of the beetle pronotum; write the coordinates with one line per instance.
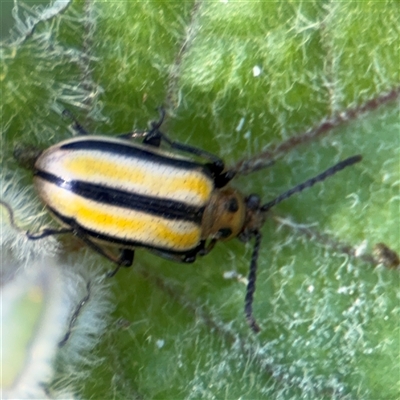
(113, 192)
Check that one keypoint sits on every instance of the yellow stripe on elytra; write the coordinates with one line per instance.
(123, 223)
(168, 182)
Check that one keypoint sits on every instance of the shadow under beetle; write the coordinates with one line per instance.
(113, 192)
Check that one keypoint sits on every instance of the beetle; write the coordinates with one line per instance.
(115, 192)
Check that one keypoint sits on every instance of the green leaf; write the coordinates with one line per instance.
(239, 79)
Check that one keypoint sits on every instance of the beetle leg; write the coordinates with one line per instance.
(179, 258)
(33, 236)
(187, 258)
(222, 180)
(157, 135)
(216, 164)
(126, 257)
(47, 232)
(200, 250)
(125, 260)
(75, 316)
(154, 137)
(206, 249)
(151, 137)
(76, 126)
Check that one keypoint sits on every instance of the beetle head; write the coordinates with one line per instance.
(225, 215)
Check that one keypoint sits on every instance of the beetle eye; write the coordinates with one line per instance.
(232, 205)
(253, 202)
(224, 233)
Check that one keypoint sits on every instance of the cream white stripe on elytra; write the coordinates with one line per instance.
(131, 174)
(121, 223)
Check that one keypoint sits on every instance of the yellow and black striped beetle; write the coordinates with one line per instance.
(114, 192)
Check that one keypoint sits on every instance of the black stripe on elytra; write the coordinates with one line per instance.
(131, 151)
(164, 208)
(121, 243)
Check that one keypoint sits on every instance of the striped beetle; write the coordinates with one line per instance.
(112, 192)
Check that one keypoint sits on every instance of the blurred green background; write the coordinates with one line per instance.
(330, 321)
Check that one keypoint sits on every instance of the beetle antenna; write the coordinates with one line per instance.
(251, 285)
(76, 126)
(311, 182)
(32, 236)
(155, 125)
